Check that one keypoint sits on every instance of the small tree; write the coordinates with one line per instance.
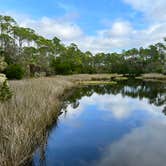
(5, 93)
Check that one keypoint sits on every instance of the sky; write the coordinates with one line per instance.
(94, 25)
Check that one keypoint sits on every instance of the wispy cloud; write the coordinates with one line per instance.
(66, 7)
(152, 10)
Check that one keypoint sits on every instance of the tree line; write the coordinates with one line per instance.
(24, 53)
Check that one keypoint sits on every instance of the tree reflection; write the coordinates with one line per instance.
(153, 91)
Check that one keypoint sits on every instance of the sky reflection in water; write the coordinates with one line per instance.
(108, 129)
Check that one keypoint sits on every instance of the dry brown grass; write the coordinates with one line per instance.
(153, 77)
(98, 82)
(25, 118)
(93, 77)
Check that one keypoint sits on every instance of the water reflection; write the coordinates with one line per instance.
(154, 92)
(143, 146)
(105, 125)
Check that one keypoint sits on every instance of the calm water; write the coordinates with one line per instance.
(119, 125)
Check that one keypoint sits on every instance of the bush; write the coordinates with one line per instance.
(14, 71)
(5, 93)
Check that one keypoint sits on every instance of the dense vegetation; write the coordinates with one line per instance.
(28, 54)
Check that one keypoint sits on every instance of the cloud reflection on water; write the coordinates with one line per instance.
(120, 107)
(143, 146)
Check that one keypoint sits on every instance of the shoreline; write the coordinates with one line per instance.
(153, 77)
(34, 107)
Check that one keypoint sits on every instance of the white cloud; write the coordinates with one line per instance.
(118, 29)
(121, 35)
(154, 10)
(49, 28)
(118, 36)
(63, 27)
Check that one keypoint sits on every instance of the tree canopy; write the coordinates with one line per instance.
(36, 54)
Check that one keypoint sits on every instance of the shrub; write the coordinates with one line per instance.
(5, 92)
(14, 71)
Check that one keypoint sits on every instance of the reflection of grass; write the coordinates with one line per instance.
(98, 82)
(34, 106)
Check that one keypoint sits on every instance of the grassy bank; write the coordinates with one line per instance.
(34, 106)
(98, 82)
(153, 77)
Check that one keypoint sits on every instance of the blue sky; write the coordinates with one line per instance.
(95, 25)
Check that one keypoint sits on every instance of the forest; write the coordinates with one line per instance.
(24, 53)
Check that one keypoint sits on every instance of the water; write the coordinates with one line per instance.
(118, 125)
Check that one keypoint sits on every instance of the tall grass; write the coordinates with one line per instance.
(24, 119)
(34, 106)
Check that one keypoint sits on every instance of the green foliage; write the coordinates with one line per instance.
(37, 54)
(14, 71)
(5, 92)
(61, 67)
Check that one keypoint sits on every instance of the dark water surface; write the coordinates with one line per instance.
(118, 125)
